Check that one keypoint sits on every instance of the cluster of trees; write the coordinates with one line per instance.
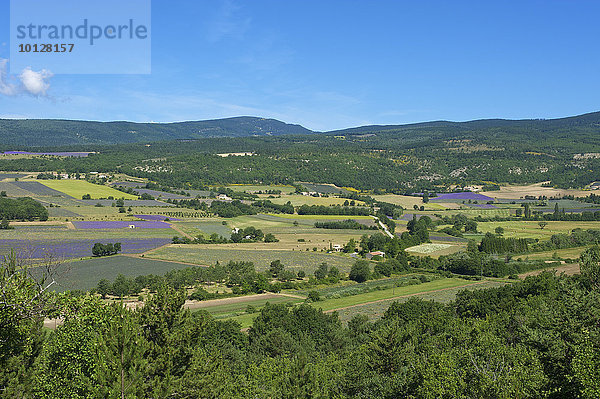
(349, 224)
(577, 238)
(393, 211)
(493, 244)
(100, 249)
(241, 277)
(248, 234)
(252, 234)
(392, 246)
(271, 207)
(231, 209)
(333, 210)
(22, 209)
(460, 224)
(535, 338)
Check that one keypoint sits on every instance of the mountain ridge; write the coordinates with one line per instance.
(64, 132)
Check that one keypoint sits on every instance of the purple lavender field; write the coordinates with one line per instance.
(56, 154)
(121, 224)
(159, 218)
(35, 249)
(37, 188)
(409, 216)
(462, 196)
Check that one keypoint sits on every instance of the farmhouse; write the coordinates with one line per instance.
(223, 197)
(371, 255)
(337, 247)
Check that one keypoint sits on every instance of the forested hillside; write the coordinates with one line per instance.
(430, 156)
(45, 132)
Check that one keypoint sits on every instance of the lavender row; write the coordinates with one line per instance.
(462, 196)
(156, 218)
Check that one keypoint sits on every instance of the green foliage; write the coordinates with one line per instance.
(5, 224)
(360, 271)
(589, 263)
(492, 244)
(344, 225)
(321, 271)
(100, 249)
(22, 209)
(534, 338)
(314, 296)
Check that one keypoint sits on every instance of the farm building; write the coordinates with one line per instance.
(371, 255)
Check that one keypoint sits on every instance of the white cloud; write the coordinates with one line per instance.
(31, 82)
(6, 87)
(36, 83)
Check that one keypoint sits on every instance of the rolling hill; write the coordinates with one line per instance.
(46, 132)
(50, 132)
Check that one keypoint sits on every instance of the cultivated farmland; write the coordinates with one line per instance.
(209, 255)
(78, 188)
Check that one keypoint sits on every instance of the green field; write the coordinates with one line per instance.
(78, 188)
(566, 253)
(299, 200)
(531, 229)
(237, 306)
(473, 212)
(210, 254)
(205, 227)
(376, 310)
(364, 303)
(331, 304)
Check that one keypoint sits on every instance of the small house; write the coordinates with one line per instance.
(373, 254)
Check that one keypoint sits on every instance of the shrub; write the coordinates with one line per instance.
(360, 271)
(314, 296)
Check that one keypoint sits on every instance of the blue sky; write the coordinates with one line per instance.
(336, 64)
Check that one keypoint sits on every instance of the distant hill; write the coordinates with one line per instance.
(590, 120)
(50, 132)
(46, 132)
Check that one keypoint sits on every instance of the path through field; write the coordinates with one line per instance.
(177, 229)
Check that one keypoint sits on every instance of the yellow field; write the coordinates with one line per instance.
(299, 200)
(517, 192)
(408, 202)
(531, 229)
(78, 188)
